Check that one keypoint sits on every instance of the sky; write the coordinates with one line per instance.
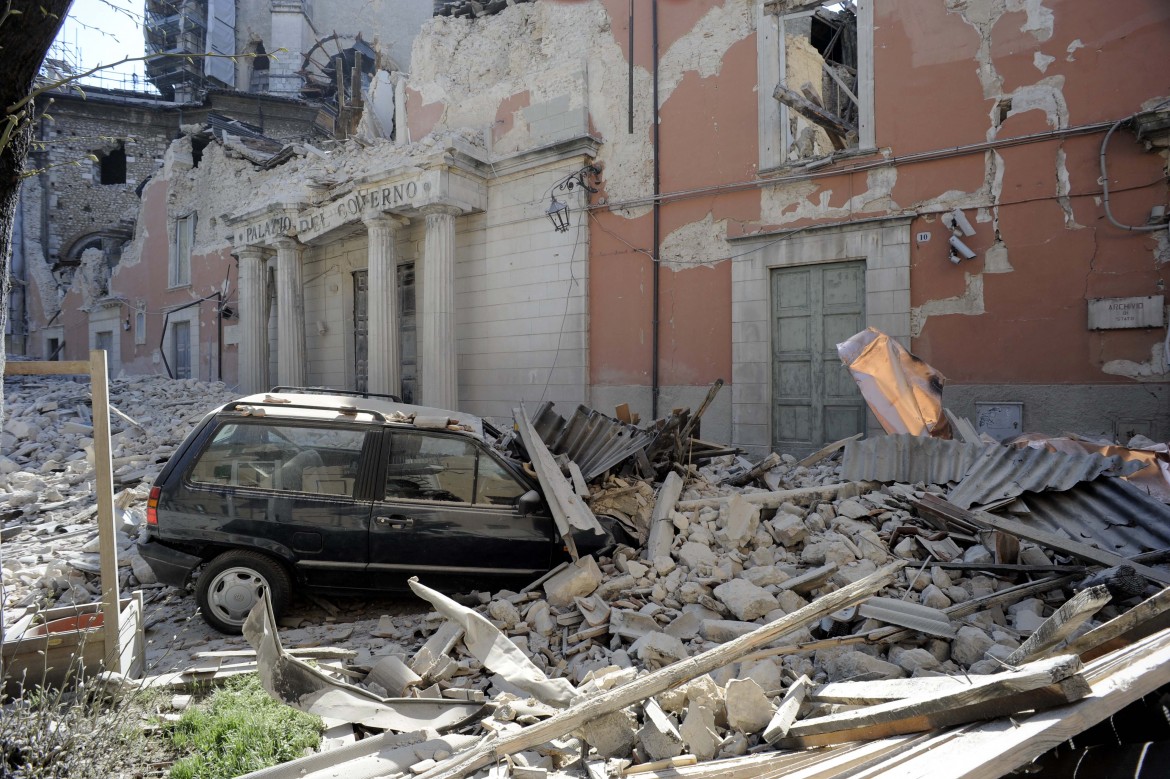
(101, 32)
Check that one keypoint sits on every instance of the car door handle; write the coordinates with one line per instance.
(396, 521)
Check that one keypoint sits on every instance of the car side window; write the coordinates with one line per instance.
(430, 467)
(298, 458)
(495, 485)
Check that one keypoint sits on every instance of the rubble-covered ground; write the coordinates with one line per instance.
(740, 558)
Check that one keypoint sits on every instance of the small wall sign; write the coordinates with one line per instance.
(1126, 313)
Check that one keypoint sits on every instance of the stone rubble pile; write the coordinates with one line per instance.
(48, 521)
(741, 558)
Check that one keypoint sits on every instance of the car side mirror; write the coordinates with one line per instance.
(528, 503)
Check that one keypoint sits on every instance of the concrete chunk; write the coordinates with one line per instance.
(613, 734)
(748, 709)
(578, 580)
(656, 650)
(699, 734)
(745, 600)
(693, 555)
(659, 735)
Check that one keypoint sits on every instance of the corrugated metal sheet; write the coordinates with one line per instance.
(909, 459)
(589, 438)
(1110, 514)
(1002, 472)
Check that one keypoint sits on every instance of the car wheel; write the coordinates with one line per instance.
(230, 586)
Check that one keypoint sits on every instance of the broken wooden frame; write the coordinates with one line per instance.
(109, 646)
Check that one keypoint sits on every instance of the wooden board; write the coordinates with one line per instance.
(663, 679)
(1042, 684)
(946, 509)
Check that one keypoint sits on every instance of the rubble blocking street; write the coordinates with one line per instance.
(845, 601)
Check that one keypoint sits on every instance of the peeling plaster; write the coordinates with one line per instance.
(792, 202)
(1072, 50)
(970, 303)
(1155, 369)
(1162, 247)
(1046, 95)
(1041, 61)
(567, 49)
(1040, 19)
(698, 243)
(995, 259)
(1063, 188)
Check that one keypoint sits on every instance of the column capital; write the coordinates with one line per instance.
(383, 219)
(287, 243)
(251, 252)
(446, 209)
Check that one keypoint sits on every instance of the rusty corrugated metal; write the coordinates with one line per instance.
(1002, 472)
(909, 459)
(1110, 514)
(589, 438)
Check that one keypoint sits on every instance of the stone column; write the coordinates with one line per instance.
(290, 314)
(384, 360)
(438, 365)
(253, 326)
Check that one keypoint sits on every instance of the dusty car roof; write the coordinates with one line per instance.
(331, 405)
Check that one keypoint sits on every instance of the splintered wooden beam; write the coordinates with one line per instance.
(663, 679)
(837, 128)
(1062, 624)
(1039, 685)
(947, 510)
(1144, 613)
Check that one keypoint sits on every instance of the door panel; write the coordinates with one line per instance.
(814, 399)
(448, 509)
(285, 488)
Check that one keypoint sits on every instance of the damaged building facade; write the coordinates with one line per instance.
(984, 180)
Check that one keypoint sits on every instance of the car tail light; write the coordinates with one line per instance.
(152, 506)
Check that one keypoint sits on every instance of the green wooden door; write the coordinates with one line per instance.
(814, 399)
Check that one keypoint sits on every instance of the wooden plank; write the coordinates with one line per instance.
(756, 471)
(1062, 624)
(107, 526)
(661, 526)
(1044, 683)
(661, 680)
(946, 509)
(47, 368)
(1145, 611)
(994, 749)
(837, 128)
(824, 452)
(787, 710)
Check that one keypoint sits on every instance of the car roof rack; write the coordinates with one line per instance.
(348, 411)
(331, 391)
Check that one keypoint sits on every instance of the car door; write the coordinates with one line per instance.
(449, 509)
(287, 488)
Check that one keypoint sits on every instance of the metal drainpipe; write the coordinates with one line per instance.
(657, 225)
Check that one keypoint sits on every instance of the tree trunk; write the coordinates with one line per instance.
(26, 32)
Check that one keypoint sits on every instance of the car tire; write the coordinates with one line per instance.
(229, 587)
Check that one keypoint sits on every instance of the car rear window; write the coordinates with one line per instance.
(290, 457)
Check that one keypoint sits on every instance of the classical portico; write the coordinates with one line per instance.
(286, 234)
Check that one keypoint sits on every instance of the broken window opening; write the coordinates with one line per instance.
(821, 79)
(182, 239)
(258, 81)
(112, 165)
(198, 145)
